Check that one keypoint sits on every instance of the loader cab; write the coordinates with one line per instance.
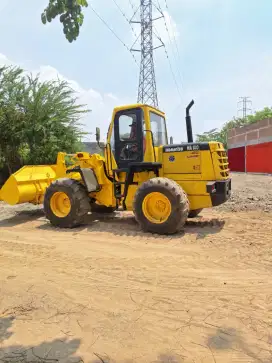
(135, 133)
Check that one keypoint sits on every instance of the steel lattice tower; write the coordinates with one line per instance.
(147, 91)
(245, 101)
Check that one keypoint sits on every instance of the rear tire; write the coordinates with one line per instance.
(161, 206)
(97, 208)
(194, 213)
(66, 203)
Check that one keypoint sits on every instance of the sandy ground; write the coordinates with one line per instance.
(109, 293)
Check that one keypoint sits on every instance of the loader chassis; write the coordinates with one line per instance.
(162, 184)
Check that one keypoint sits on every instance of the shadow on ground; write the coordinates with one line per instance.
(55, 351)
(20, 217)
(118, 224)
(124, 224)
(5, 325)
(230, 339)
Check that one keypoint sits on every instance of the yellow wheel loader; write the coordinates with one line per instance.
(163, 184)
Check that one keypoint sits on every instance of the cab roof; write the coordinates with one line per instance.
(135, 105)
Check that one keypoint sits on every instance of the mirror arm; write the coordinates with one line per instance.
(98, 138)
(99, 145)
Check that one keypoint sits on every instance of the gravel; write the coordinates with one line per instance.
(250, 192)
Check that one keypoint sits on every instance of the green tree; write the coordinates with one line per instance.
(70, 15)
(260, 115)
(37, 119)
(222, 134)
(12, 118)
(207, 136)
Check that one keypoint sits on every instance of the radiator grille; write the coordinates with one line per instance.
(223, 163)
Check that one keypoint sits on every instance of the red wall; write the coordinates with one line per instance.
(237, 159)
(259, 158)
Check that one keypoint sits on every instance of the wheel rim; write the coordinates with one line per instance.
(156, 207)
(60, 204)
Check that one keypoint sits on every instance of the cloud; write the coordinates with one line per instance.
(5, 61)
(101, 105)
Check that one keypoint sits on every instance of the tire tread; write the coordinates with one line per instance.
(180, 210)
(80, 195)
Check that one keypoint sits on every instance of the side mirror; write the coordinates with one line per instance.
(97, 134)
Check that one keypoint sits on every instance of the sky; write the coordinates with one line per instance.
(219, 50)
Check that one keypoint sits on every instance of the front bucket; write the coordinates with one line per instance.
(28, 184)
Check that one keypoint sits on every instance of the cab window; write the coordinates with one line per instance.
(127, 127)
(112, 142)
(158, 128)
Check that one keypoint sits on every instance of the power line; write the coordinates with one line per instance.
(131, 4)
(135, 10)
(121, 11)
(175, 42)
(172, 71)
(165, 49)
(126, 18)
(178, 58)
(166, 53)
(147, 91)
(170, 64)
(113, 32)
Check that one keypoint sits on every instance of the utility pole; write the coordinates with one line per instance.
(244, 109)
(147, 91)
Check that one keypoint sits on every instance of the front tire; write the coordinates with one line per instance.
(66, 203)
(161, 206)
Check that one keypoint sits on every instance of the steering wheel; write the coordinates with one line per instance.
(128, 153)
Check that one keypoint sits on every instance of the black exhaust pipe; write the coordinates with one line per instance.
(189, 122)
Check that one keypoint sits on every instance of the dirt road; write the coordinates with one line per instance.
(110, 293)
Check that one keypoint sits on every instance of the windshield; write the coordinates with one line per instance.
(158, 129)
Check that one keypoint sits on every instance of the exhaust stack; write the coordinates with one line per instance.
(189, 122)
